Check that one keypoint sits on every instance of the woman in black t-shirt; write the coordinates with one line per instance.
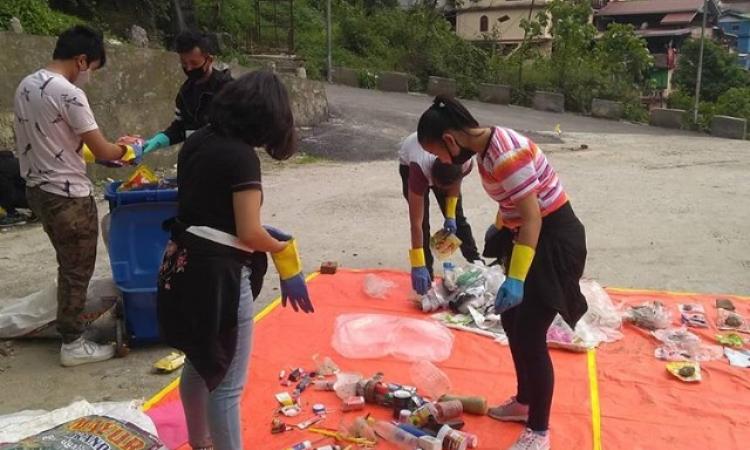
(205, 294)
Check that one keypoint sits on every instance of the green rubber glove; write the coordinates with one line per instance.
(159, 140)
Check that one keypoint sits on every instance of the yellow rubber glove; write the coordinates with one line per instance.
(450, 215)
(520, 261)
(287, 261)
(88, 157)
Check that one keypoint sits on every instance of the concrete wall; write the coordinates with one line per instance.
(468, 18)
(441, 86)
(494, 93)
(393, 82)
(729, 127)
(347, 77)
(549, 101)
(667, 118)
(135, 92)
(606, 109)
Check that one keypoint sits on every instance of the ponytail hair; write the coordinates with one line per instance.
(446, 113)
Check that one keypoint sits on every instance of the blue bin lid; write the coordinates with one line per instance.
(138, 196)
(137, 242)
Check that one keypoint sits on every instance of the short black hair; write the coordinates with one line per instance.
(187, 40)
(444, 175)
(446, 113)
(255, 108)
(81, 40)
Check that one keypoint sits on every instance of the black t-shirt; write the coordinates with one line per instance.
(210, 168)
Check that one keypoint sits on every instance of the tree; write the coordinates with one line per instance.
(720, 70)
(624, 58)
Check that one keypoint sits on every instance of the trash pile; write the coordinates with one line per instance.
(143, 178)
(468, 293)
(685, 350)
(423, 417)
(81, 425)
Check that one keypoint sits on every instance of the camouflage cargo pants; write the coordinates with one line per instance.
(72, 227)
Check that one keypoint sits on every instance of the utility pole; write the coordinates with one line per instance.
(329, 32)
(700, 63)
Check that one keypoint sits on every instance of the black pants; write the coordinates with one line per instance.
(12, 186)
(463, 229)
(526, 327)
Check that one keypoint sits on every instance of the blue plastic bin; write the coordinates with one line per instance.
(136, 247)
(116, 199)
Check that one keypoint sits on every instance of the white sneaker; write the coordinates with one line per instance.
(82, 351)
(530, 440)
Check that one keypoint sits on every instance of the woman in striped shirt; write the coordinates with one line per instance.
(536, 236)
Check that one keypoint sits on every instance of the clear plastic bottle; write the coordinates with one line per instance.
(449, 276)
(429, 379)
(391, 433)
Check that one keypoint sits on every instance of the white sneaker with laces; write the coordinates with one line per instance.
(531, 440)
(82, 351)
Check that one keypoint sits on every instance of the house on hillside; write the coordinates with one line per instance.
(665, 24)
(498, 20)
(737, 25)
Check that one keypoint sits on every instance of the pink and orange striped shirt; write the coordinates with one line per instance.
(512, 168)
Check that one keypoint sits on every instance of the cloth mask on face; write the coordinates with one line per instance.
(464, 155)
(197, 73)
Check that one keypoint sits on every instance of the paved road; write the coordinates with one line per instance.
(367, 125)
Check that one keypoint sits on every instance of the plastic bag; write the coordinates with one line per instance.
(429, 379)
(738, 358)
(142, 176)
(729, 320)
(688, 372)
(731, 340)
(346, 385)
(377, 287)
(361, 336)
(650, 315)
(90, 433)
(679, 344)
(444, 244)
(560, 335)
(693, 315)
(34, 316)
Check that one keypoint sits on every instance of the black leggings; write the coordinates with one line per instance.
(463, 229)
(526, 326)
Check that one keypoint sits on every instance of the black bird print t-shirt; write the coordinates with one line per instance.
(51, 115)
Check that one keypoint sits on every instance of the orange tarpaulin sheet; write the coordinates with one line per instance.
(641, 407)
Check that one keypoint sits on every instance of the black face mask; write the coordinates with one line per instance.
(197, 73)
(464, 155)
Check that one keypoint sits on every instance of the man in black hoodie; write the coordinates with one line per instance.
(194, 99)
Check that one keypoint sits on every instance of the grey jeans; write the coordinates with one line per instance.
(213, 418)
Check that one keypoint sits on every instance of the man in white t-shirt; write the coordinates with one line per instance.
(56, 134)
(421, 172)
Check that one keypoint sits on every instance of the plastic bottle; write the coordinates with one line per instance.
(391, 433)
(304, 445)
(431, 380)
(449, 276)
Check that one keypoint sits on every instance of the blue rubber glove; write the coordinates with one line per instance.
(277, 234)
(420, 280)
(450, 225)
(159, 140)
(510, 295)
(294, 291)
